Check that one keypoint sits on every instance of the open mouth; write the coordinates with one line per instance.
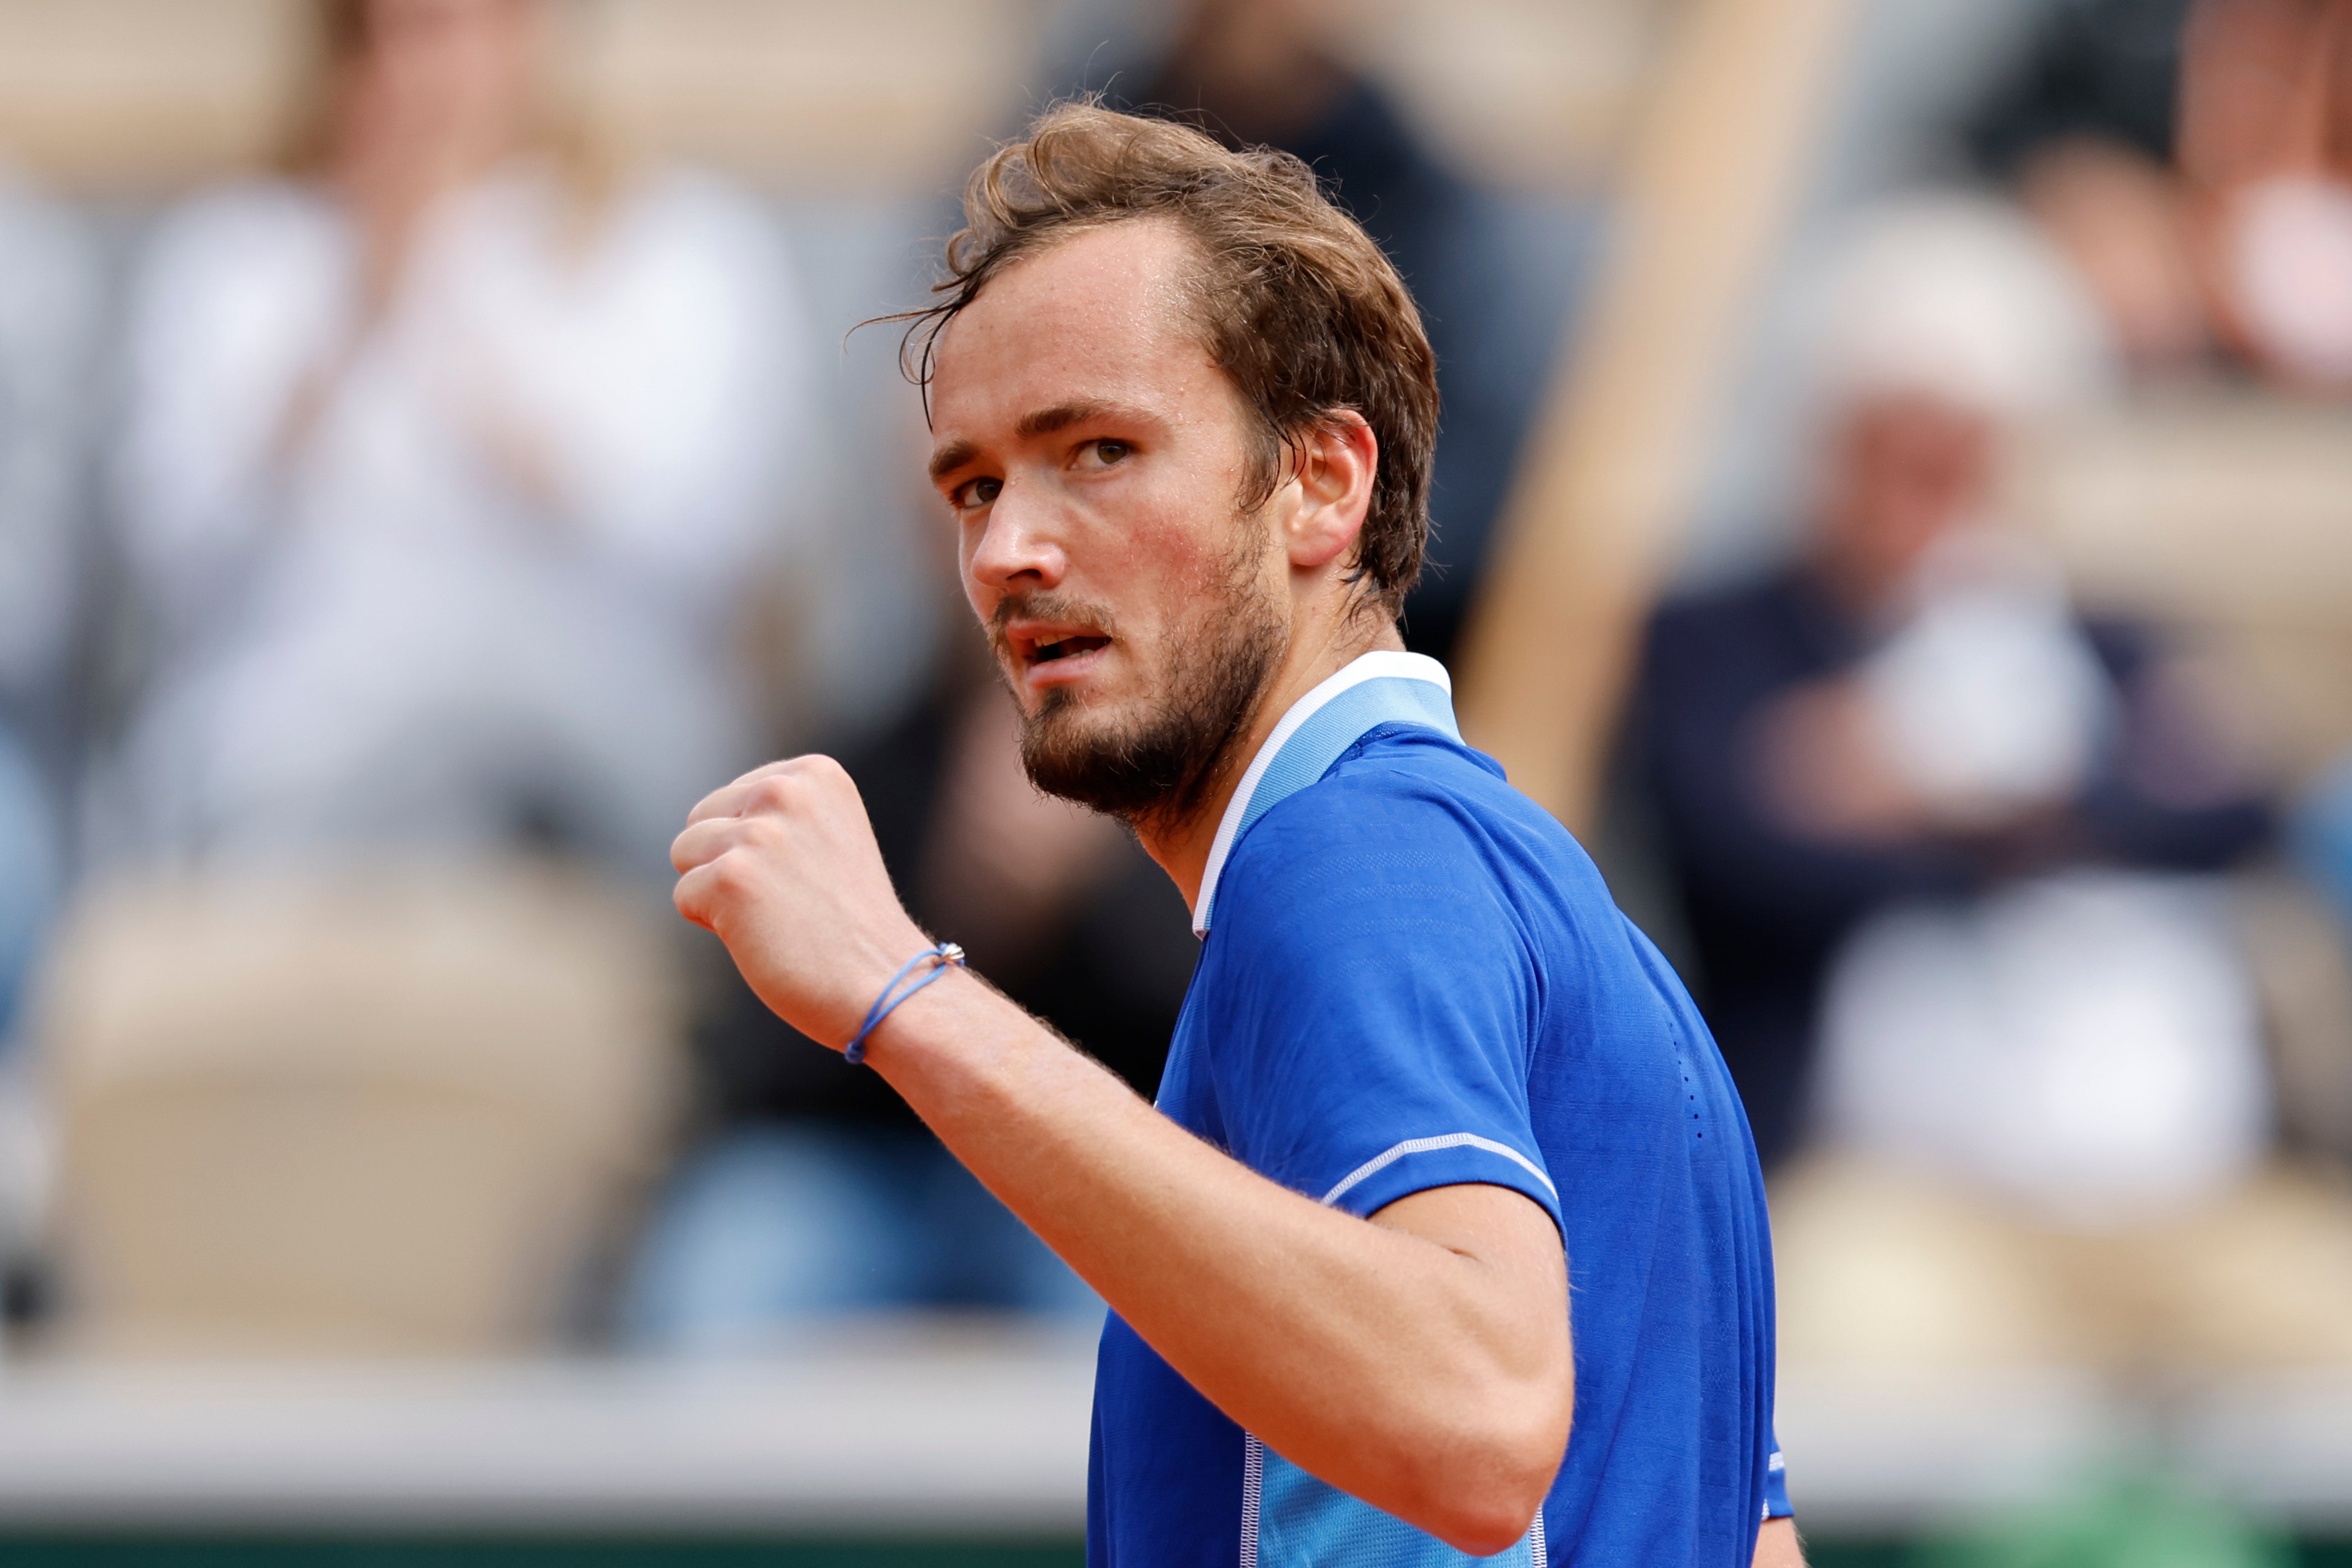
(1043, 641)
(1066, 647)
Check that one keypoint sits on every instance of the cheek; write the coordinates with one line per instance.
(1173, 570)
(979, 595)
(1127, 555)
(1162, 555)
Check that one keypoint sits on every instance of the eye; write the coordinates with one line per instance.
(975, 493)
(1108, 452)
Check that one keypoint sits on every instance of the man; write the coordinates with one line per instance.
(1910, 713)
(1183, 411)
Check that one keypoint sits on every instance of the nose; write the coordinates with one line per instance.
(1018, 546)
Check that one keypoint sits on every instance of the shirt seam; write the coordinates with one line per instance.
(1390, 1156)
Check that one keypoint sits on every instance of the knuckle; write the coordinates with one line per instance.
(832, 781)
(739, 876)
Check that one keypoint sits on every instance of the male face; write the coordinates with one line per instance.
(1094, 456)
(1907, 470)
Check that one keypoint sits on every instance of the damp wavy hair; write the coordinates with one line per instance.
(1294, 300)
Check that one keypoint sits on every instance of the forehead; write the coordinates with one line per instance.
(1102, 316)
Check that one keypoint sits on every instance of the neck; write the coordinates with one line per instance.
(1181, 847)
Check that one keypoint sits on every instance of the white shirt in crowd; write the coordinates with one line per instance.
(384, 635)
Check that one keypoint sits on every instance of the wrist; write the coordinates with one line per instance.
(951, 1043)
(864, 974)
(925, 969)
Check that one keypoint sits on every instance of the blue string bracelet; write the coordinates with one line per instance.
(941, 958)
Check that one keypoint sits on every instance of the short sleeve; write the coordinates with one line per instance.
(1377, 998)
(1776, 1483)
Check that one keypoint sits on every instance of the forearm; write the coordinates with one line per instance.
(1359, 1350)
(1420, 1361)
(1778, 1546)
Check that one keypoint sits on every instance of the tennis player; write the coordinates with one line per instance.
(1429, 1086)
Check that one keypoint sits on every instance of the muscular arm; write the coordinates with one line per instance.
(1418, 1362)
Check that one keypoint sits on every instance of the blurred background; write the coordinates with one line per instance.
(1894, 502)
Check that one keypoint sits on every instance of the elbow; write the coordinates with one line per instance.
(1485, 1519)
(1483, 1532)
(1485, 1498)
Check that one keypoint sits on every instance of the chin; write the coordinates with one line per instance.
(1095, 760)
(1075, 733)
(1079, 706)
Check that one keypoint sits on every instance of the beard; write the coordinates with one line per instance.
(1156, 767)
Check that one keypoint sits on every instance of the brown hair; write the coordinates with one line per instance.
(1294, 301)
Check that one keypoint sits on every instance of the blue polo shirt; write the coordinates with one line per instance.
(1412, 977)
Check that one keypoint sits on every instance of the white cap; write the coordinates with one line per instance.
(1960, 298)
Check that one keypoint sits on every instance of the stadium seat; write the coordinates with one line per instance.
(376, 1112)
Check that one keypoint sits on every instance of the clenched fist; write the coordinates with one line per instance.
(782, 866)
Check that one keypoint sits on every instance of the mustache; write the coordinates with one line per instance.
(1038, 605)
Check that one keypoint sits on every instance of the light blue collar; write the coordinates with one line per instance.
(1383, 688)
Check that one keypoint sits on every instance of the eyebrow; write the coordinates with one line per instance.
(1062, 415)
(1036, 423)
(951, 456)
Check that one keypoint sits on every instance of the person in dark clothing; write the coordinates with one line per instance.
(1768, 902)
(1911, 711)
(1493, 277)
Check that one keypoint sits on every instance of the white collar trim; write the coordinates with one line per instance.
(1373, 666)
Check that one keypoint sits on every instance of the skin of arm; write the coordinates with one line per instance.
(1420, 1361)
(1777, 1545)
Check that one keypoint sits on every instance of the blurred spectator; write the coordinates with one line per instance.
(2265, 146)
(2084, 132)
(1912, 712)
(50, 294)
(1494, 280)
(821, 1193)
(2195, 160)
(1939, 838)
(446, 454)
(49, 298)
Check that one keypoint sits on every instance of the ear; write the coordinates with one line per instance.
(1336, 463)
